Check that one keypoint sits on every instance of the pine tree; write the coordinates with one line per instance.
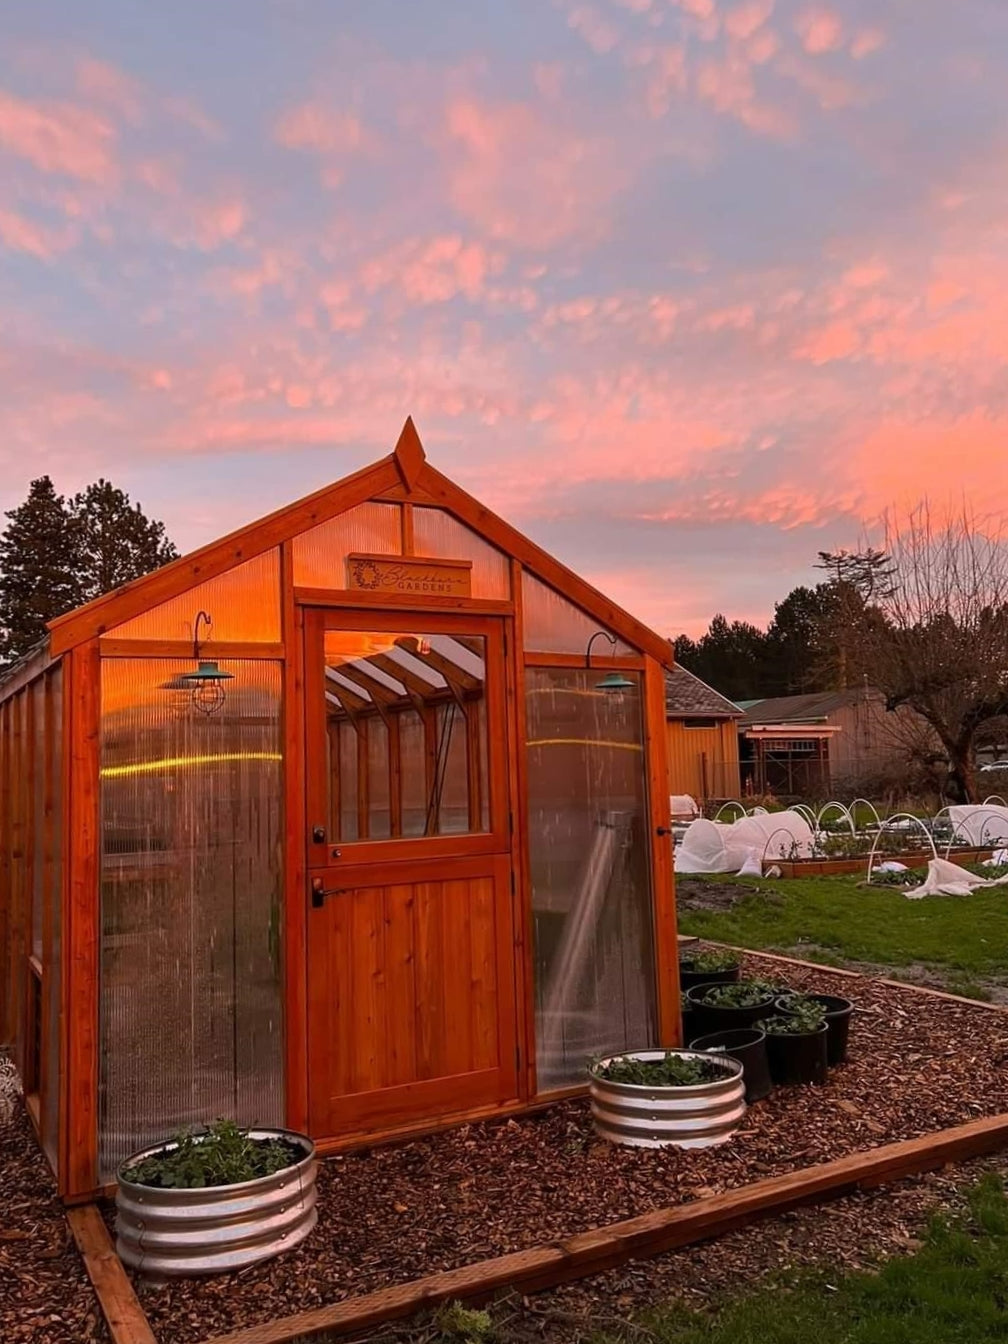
(115, 541)
(56, 554)
(39, 569)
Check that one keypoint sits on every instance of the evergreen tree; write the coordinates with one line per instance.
(39, 569)
(56, 554)
(115, 541)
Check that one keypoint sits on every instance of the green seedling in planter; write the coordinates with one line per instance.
(742, 994)
(672, 1071)
(802, 1022)
(223, 1155)
(714, 960)
(802, 1003)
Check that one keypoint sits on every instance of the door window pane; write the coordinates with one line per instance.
(590, 870)
(406, 734)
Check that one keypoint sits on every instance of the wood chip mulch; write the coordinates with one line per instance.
(45, 1295)
(918, 1064)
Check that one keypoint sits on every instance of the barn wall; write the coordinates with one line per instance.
(703, 762)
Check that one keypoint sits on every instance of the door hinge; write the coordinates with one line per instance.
(513, 884)
(517, 1059)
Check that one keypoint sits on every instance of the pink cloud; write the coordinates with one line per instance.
(598, 32)
(728, 86)
(820, 30)
(866, 41)
(59, 138)
(524, 178)
(321, 130)
(743, 21)
(430, 271)
(112, 88)
(23, 235)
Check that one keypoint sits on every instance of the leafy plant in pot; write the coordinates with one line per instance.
(723, 1007)
(215, 1200)
(837, 1012)
(654, 1098)
(714, 966)
(796, 1045)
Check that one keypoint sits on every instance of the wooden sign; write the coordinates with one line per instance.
(409, 574)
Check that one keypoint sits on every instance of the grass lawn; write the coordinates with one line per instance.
(954, 1289)
(964, 940)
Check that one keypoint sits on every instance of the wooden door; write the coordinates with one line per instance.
(411, 964)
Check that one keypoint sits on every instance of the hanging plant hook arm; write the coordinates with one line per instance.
(200, 616)
(599, 634)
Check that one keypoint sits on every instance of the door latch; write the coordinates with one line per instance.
(319, 892)
(318, 835)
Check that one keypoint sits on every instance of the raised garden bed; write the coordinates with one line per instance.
(917, 1065)
(917, 858)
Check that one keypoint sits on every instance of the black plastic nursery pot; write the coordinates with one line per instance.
(688, 977)
(798, 1058)
(748, 1046)
(687, 1016)
(710, 1017)
(838, 1019)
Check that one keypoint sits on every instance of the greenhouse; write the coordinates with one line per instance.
(356, 820)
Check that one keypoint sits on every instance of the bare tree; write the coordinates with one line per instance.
(942, 645)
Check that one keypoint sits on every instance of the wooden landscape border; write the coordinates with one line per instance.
(586, 1253)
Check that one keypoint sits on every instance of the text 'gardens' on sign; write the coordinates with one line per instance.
(406, 574)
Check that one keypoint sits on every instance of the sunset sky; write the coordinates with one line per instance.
(688, 290)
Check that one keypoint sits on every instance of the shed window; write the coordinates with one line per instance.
(700, 723)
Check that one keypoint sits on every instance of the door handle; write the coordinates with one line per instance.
(319, 892)
(663, 830)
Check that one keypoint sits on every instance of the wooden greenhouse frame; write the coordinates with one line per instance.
(400, 882)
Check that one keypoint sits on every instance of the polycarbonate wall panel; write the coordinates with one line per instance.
(553, 625)
(437, 534)
(191, 1025)
(590, 871)
(243, 604)
(52, 970)
(37, 753)
(320, 555)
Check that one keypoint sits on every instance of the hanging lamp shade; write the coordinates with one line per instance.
(614, 682)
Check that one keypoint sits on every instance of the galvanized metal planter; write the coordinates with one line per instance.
(698, 1116)
(184, 1233)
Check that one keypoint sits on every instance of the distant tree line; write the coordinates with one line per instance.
(815, 641)
(57, 553)
(924, 621)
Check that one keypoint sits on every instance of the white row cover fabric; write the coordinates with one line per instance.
(682, 805)
(712, 847)
(948, 879)
(980, 824)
